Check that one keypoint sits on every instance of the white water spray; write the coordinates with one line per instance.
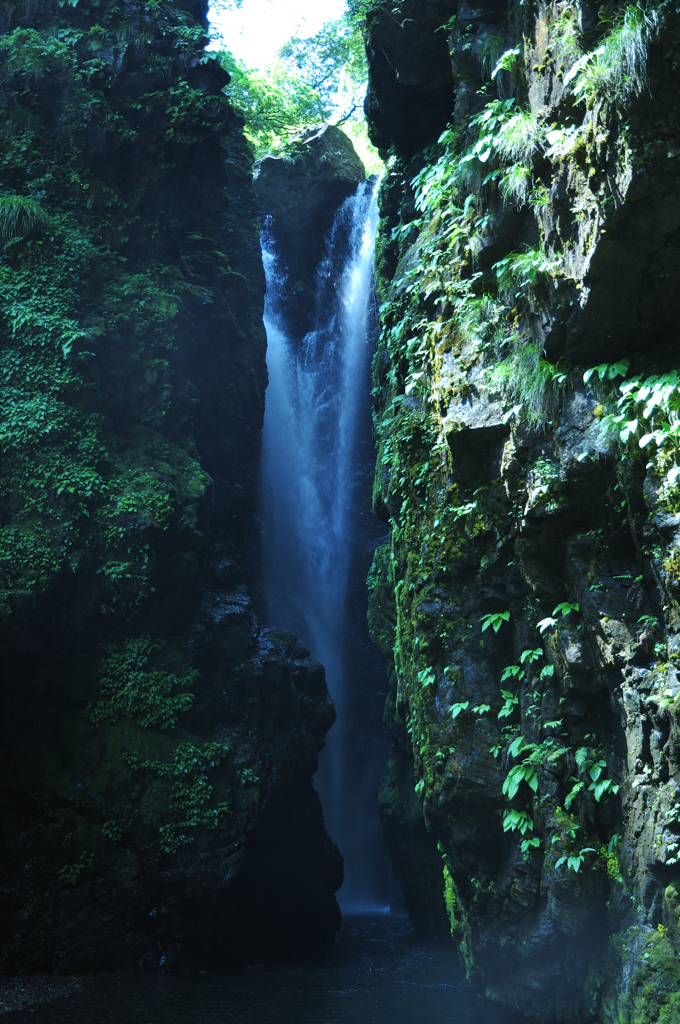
(314, 403)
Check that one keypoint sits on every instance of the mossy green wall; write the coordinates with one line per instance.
(146, 717)
(527, 589)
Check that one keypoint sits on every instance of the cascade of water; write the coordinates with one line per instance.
(316, 410)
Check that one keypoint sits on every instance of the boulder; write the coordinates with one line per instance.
(301, 190)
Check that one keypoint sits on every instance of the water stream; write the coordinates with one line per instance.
(315, 458)
(376, 974)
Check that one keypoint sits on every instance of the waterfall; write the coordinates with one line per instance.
(316, 426)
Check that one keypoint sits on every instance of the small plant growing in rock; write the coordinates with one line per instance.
(518, 139)
(520, 270)
(511, 701)
(70, 873)
(563, 609)
(458, 708)
(574, 861)
(506, 62)
(494, 620)
(515, 183)
(535, 385)
(21, 217)
(426, 677)
(518, 821)
(618, 68)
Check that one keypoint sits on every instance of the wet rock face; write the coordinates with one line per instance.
(527, 598)
(301, 192)
(411, 84)
(157, 743)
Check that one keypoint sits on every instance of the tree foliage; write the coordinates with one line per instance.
(316, 79)
(331, 62)
(276, 103)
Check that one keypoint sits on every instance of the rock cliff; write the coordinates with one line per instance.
(157, 742)
(299, 193)
(526, 411)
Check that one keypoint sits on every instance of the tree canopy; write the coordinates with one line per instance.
(317, 79)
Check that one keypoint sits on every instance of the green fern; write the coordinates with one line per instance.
(515, 183)
(21, 217)
(519, 137)
(618, 68)
(518, 271)
(534, 386)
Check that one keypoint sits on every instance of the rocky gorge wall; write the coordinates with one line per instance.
(157, 743)
(526, 418)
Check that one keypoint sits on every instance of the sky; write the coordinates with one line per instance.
(256, 30)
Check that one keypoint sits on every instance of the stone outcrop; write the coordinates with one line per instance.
(527, 598)
(157, 742)
(301, 191)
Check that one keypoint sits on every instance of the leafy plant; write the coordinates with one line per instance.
(524, 772)
(191, 791)
(618, 68)
(519, 271)
(70, 873)
(507, 61)
(574, 861)
(518, 821)
(533, 384)
(573, 793)
(599, 786)
(564, 608)
(494, 620)
(647, 416)
(427, 677)
(607, 371)
(591, 768)
(514, 183)
(458, 708)
(130, 688)
(562, 141)
(518, 138)
(511, 701)
(21, 217)
(528, 657)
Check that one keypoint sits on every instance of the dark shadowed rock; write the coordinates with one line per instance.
(301, 192)
(157, 744)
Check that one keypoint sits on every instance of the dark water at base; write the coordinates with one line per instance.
(378, 973)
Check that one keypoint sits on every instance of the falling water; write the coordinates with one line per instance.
(316, 406)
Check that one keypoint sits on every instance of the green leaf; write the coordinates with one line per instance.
(495, 620)
(516, 746)
(458, 707)
(572, 794)
(426, 677)
(518, 821)
(565, 608)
